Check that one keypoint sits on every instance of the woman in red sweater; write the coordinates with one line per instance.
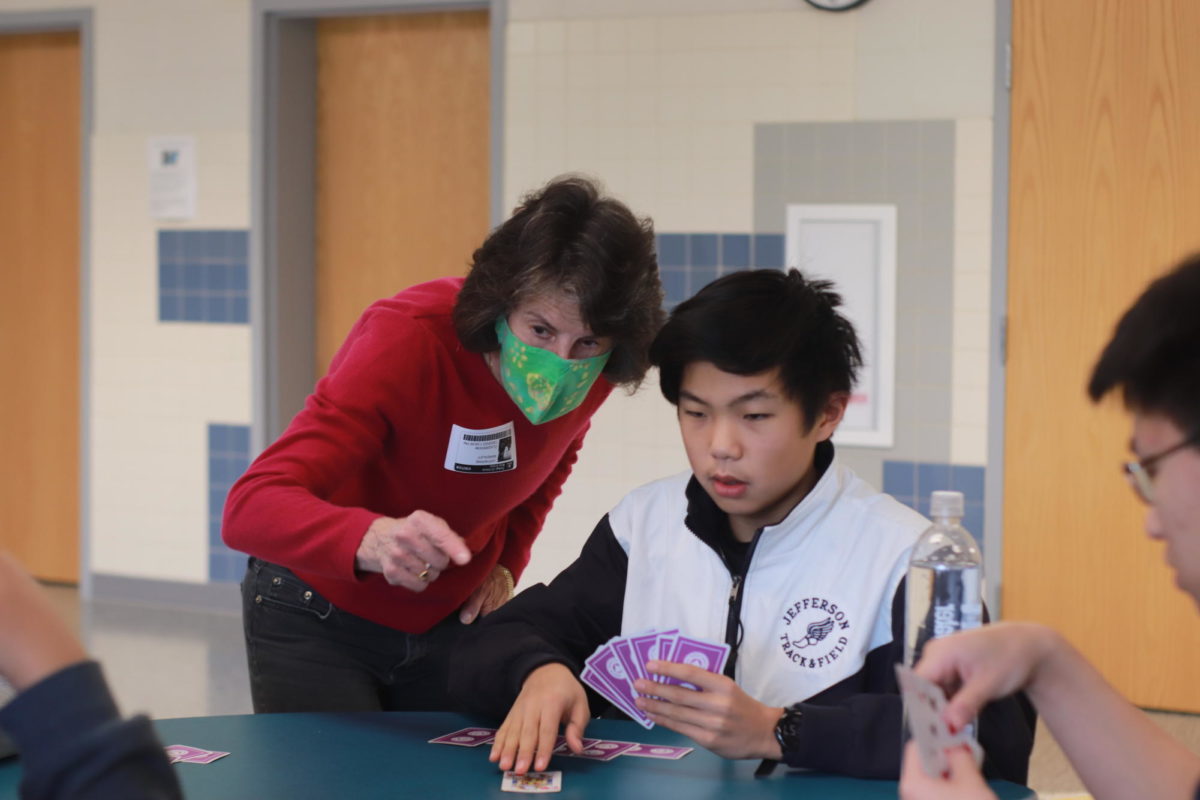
(401, 503)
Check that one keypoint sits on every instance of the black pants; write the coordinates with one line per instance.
(305, 654)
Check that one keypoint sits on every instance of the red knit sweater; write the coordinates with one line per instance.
(372, 441)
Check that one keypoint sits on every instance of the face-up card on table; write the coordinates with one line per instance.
(924, 702)
(467, 737)
(532, 782)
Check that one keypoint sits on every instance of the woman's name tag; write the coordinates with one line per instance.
(481, 451)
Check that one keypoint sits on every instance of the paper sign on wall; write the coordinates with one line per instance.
(172, 177)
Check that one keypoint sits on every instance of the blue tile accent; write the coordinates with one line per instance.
(689, 261)
(768, 250)
(239, 277)
(216, 279)
(704, 250)
(170, 307)
(701, 277)
(228, 457)
(218, 438)
(911, 483)
(672, 250)
(170, 276)
(193, 308)
(735, 251)
(969, 481)
(240, 310)
(674, 283)
(193, 277)
(932, 478)
(900, 481)
(240, 440)
(208, 273)
(226, 567)
(973, 522)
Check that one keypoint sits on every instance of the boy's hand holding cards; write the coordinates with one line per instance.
(615, 665)
(924, 702)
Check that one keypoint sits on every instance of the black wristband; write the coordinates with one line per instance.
(787, 730)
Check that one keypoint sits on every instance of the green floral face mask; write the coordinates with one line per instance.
(543, 384)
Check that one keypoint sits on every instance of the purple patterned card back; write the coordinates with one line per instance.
(601, 683)
(467, 737)
(178, 752)
(207, 758)
(606, 750)
(698, 653)
(666, 751)
(624, 651)
(665, 645)
(562, 749)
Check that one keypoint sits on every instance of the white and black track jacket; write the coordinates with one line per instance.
(813, 614)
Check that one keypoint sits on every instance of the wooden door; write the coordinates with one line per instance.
(1104, 195)
(39, 301)
(403, 123)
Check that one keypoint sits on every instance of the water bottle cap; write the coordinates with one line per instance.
(946, 504)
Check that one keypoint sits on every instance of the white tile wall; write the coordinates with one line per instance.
(972, 290)
(657, 97)
(155, 387)
(924, 59)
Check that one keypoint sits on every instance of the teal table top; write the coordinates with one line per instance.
(387, 755)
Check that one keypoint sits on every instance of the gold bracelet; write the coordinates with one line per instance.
(508, 579)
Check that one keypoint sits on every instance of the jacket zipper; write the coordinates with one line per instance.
(734, 617)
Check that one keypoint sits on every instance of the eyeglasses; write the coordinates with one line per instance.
(1140, 473)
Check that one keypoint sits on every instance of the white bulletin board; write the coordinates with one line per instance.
(855, 247)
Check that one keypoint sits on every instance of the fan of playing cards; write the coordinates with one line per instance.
(615, 665)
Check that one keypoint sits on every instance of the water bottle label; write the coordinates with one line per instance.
(972, 616)
(945, 621)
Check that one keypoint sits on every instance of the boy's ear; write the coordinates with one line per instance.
(831, 416)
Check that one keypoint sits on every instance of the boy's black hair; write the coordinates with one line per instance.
(752, 321)
(1154, 353)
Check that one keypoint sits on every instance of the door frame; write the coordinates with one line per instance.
(993, 538)
(77, 20)
(282, 198)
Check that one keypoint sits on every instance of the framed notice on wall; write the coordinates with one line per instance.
(855, 247)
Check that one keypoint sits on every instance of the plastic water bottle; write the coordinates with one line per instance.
(945, 579)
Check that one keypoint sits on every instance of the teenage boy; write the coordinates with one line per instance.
(1154, 359)
(765, 542)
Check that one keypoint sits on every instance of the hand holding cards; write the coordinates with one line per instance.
(924, 702)
(615, 665)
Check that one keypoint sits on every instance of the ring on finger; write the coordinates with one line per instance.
(423, 575)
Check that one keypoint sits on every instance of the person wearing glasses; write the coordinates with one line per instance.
(1153, 358)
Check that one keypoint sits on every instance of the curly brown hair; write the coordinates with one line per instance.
(568, 237)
